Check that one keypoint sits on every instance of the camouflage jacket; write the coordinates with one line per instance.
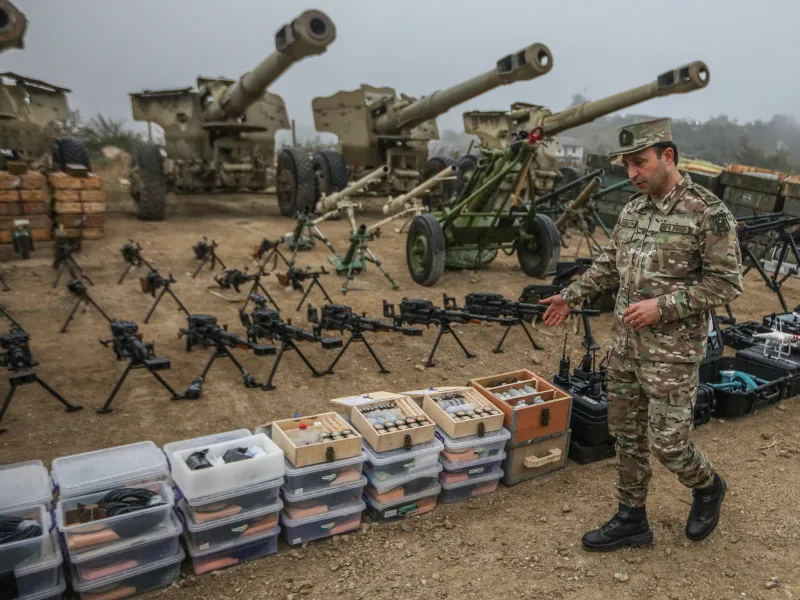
(681, 249)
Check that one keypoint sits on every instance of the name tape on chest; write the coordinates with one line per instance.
(628, 222)
(673, 228)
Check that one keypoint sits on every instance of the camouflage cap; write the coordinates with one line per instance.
(638, 136)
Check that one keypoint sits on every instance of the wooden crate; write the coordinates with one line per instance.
(35, 208)
(9, 196)
(8, 181)
(78, 208)
(86, 234)
(530, 422)
(10, 209)
(404, 438)
(91, 182)
(312, 454)
(38, 235)
(93, 195)
(33, 195)
(748, 181)
(61, 195)
(458, 428)
(535, 458)
(791, 187)
(749, 200)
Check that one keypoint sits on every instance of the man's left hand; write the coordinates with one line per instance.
(642, 314)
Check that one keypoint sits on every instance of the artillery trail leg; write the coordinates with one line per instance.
(9, 397)
(374, 259)
(107, 406)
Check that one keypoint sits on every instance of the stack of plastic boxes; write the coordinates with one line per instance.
(230, 510)
(29, 569)
(472, 464)
(126, 554)
(402, 482)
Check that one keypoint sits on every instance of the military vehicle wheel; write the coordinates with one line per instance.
(331, 172)
(295, 181)
(70, 151)
(466, 166)
(443, 192)
(425, 249)
(151, 199)
(541, 258)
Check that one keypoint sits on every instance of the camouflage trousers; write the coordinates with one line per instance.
(650, 411)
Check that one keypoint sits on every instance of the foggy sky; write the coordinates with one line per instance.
(104, 49)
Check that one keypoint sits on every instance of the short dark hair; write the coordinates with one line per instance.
(661, 146)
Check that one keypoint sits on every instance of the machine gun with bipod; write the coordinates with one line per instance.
(132, 255)
(424, 312)
(265, 323)
(341, 318)
(77, 288)
(153, 282)
(234, 278)
(204, 331)
(128, 345)
(64, 260)
(566, 273)
(205, 252)
(295, 277)
(273, 248)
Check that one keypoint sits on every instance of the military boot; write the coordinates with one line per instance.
(704, 515)
(629, 527)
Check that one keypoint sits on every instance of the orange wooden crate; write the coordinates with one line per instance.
(35, 208)
(9, 196)
(10, 209)
(33, 195)
(67, 195)
(33, 180)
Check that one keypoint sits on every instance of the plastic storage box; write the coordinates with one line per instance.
(466, 471)
(33, 578)
(321, 502)
(133, 581)
(54, 593)
(463, 490)
(306, 529)
(384, 465)
(209, 535)
(123, 466)
(232, 553)
(28, 551)
(227, 477)
(323, 475)
(24, 485)
(149, 548)
(415, 504)
(402, 486)
(226, 505)
(468, 449)
(102, 532)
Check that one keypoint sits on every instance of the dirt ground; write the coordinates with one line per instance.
(520, 542)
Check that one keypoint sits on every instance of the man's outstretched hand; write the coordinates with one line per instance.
(557, 310)
(642, 314)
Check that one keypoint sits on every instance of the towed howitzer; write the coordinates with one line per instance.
(221, 135)
(424, 312)
(127, 344)
(491, 212)
(265, 323)
(338, 317)
(377, 126)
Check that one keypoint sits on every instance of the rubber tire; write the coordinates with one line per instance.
(297, 166)
(427, 226)
(334, 172)
(466, 166)
(447, 189)
(568, 175)
(70, 151)
(549, 249)
(151, 204)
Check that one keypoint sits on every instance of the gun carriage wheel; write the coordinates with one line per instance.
(425, 249)
(70, 151)
(466, 166)
(295, 181)
(148, 184)
(331, 172)
(539, 250)
(445, 191)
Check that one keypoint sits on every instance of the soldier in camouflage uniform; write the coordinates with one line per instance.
(675, 255)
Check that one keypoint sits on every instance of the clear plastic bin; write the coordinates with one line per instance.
(102, 532)
(53, 593)
(415, 504)
(384, 465)
(242, 526)
(149, 548)
(323, 476)
(224, 506)
(398, 488)
(232, 553)
(26, 552)
(299, 506)
(465, 471)
(42, 575)
(299, 531)
(133, 581)
(123, 466)
(474, 447)
(25, 484)
(463, 490)
(228, 477)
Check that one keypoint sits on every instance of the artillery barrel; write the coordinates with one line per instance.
(529, 63)
(12, 26)
(394, 204)
(329, 202)
(310, 33)
(687, 78)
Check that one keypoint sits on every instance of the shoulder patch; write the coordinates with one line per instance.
(719, 224)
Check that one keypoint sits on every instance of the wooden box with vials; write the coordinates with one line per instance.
(316, 439)
(462, 411)
(393, 422)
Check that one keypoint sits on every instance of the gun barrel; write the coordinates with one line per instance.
(395, 204)
(529, 63)
(682, 80)
(13, 26)
(309, 34)
(582, 199)
(329, 203)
